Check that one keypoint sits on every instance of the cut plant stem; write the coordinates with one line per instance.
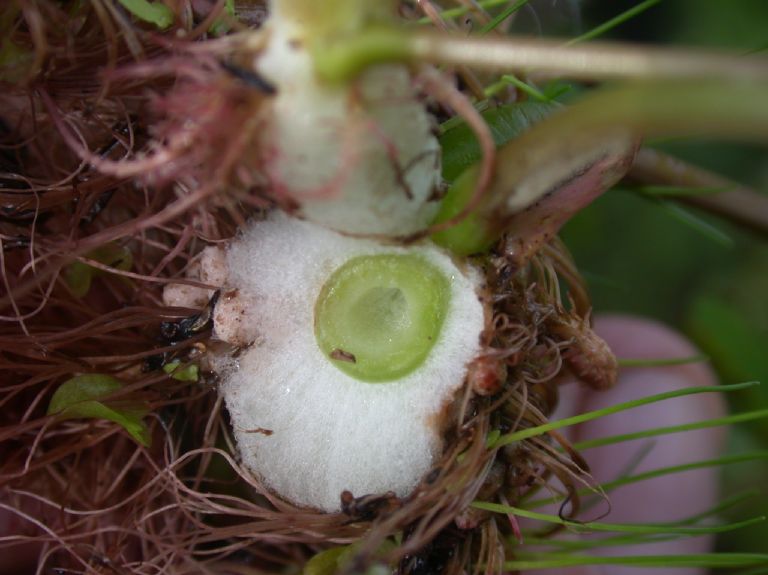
(351, 351)
(383, 313)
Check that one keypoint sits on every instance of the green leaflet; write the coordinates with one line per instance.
(155, 13)
(221, 25)
(79, 275)
(79, 397)
(461, 152)
(181, 372)
(459, 144)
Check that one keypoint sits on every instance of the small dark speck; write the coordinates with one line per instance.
(341, 355)
(250, 78)
(260, 430)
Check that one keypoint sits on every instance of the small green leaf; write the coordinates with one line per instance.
(178, 372)
(461, 152)
(155, 13)
(79, 397)
(14, 62)
(472, 234)
(460, 147)
(79, 275)
(333, 560)
(222, 24)
(325, 563)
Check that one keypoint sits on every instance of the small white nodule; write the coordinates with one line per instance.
(309, 429)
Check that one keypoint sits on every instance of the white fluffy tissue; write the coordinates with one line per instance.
(306, 428)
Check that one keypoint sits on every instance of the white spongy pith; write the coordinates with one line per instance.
(330, 432)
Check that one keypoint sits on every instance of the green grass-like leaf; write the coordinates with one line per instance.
(662, 471)
(673, 191)
(550, 561)
(501, 16)
(639, 539)
(595, 526)
(82, 397)
(662, 362)
(526, 88)
(589, 416)
(613, 22)
(655, 432)
(696, 223)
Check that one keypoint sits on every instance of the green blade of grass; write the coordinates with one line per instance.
(650, 561)
(641, 539)
(662, 362)
(613, 22)
(503, 15)
(704, 424)
(724, 505)
(662, 471)
(667, 191)
(648, 528)
(534, 93)
(696, 223)
(571, 545)
(589, 416)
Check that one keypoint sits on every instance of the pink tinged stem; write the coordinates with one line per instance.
(532, 228)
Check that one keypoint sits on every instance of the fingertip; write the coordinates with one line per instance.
(668, 497)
